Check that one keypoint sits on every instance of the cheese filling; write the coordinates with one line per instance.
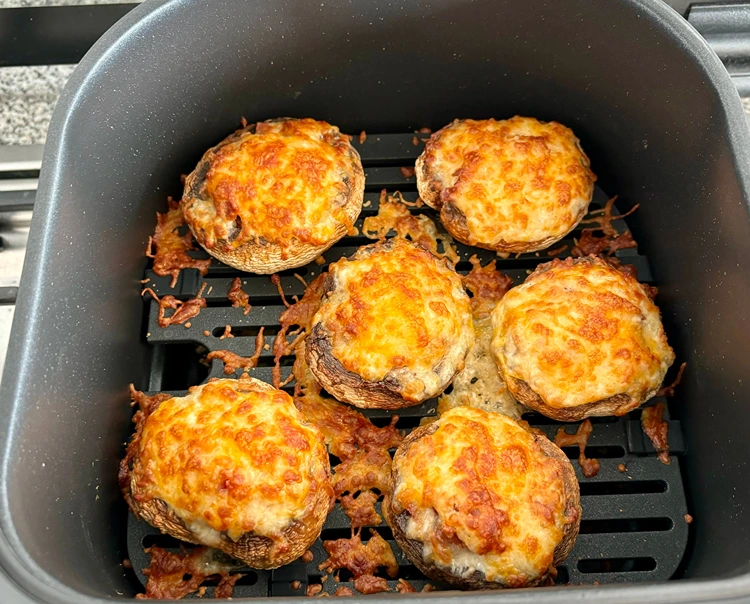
(481, 495)
(286, 184)
(232, 457)
(398, 312)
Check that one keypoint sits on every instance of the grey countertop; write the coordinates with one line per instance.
(27, 97)
(28, 94)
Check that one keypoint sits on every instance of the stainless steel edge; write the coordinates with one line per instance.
(20, 157)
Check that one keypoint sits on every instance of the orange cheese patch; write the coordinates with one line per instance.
(579, 332)
(287, 180)
(482, 496)
(234, 457)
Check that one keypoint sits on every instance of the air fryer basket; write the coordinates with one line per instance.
(633, 526)
(651, 103)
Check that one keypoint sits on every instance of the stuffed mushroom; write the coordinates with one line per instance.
(478, 501)
(393, 329)
(274, 195)
(232, 465)
(516, 185)
(580, 338)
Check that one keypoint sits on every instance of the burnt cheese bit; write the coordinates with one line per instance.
(174, 575)
(394, 215)
(232, 361)
(169, 248)
(238, 297)
(589, 467)
(657, 429)
(362, 560)
(182, 311)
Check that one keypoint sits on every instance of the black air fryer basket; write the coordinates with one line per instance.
(655, 111)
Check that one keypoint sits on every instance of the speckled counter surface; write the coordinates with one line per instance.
(28, 94)
(27, 97)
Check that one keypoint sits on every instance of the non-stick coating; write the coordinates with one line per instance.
(651, 103)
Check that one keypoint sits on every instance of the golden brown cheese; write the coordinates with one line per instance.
(478, 383)
(510, 185)
(589, 467)
(361, 446)
(283, 182)
(579, 332)
(396, 310)
(394, 215)
(171, 255)
(231, 456)
(174, 575)
(657, 429)
(482, 496)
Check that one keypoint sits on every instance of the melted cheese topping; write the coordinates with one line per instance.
(580, 331)
(482, 495)
(288, 179)
(478, 384)
(516, 181)
(397, 310)
(234, 457)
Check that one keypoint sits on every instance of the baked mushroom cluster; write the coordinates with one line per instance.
(477, 499)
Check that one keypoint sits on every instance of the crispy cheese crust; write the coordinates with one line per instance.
(275, 195)
(393, 329)
(479, 501)
(580, 338)
(235, 466)
(516, 185)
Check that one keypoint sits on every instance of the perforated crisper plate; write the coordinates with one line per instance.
(633, 526)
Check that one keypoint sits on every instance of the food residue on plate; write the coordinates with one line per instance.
(183, 311)
(171, 248)
(174, 575)
(589, 467)
(362, 560)
(394, 215)
(479, 384)
(611, 240)
(238, 297)
(276, 280)
(657, 429)
(233, 362)
(669, 390)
